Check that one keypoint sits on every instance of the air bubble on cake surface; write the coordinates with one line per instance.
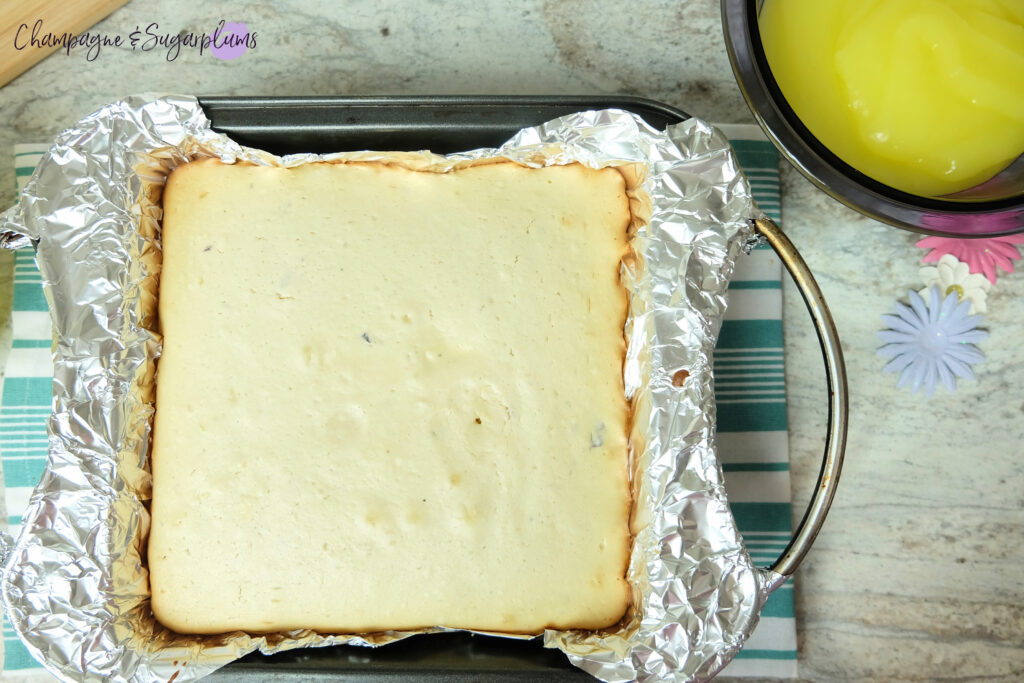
(469, 513)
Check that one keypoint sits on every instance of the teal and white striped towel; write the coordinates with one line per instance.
(749, 388)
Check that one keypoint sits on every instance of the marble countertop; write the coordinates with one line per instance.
(919, 571)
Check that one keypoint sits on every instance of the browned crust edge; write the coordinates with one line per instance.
(638, 211)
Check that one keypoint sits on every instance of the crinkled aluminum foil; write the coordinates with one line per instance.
(75, 585)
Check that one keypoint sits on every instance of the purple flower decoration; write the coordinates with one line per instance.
(932, 341)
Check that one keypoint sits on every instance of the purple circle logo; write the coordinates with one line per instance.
(229, 40)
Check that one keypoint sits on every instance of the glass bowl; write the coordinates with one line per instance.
(993, 208)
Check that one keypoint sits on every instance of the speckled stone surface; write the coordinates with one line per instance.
(919, 572)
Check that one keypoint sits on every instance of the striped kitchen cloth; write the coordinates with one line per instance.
(749, 387)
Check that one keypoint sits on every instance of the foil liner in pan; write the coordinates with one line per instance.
(75, 583)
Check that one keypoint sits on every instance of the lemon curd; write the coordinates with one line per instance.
(926, 96)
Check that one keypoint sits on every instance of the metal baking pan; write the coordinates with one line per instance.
(288, 125)
(447, 124)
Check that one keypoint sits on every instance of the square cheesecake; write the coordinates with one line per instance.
(391, 399)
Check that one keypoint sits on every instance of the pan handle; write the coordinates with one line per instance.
(838, 404)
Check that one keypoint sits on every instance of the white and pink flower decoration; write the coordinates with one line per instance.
(952, 276)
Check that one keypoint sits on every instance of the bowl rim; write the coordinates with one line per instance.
(828, 172)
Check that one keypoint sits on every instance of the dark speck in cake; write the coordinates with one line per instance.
(366, 338)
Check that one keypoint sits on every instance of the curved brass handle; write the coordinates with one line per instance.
(838, 405)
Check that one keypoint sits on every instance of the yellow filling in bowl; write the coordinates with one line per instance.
(926, 96)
